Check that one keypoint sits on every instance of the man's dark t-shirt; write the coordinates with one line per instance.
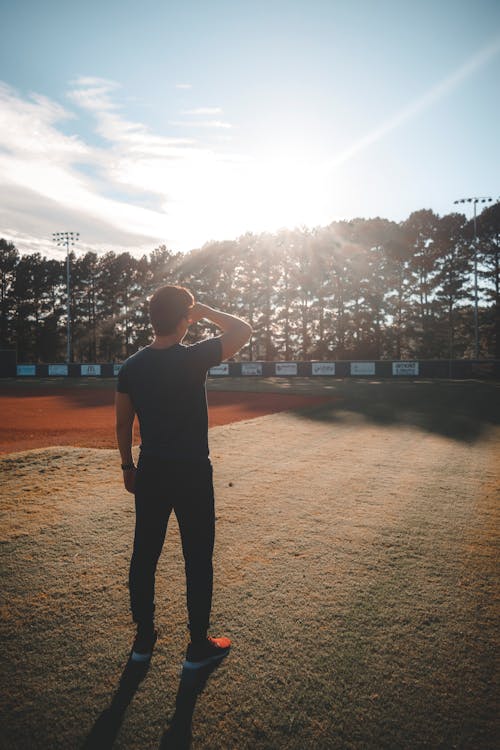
(167, 390)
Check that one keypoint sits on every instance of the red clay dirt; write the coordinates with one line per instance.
(39, 417)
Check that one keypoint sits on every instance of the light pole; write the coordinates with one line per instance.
(475, 200)
(65, 239)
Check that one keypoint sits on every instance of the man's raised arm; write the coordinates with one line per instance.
(235, 332)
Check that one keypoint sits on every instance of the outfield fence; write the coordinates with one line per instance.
(436, 368)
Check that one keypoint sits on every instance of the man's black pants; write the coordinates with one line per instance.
(187, 489)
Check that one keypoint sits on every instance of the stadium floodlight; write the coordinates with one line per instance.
(475, 200)
(65, 239)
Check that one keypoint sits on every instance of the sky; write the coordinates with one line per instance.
(178, 122)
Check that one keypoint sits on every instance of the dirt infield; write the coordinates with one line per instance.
(41, 415)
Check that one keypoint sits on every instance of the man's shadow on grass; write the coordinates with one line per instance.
(105, 730)
(178, 735)
(192, 683)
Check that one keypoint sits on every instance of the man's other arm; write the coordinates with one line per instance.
(125, 414)
(235, 332)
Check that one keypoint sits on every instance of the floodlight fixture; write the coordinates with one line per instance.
(65, 239)
(475, 200)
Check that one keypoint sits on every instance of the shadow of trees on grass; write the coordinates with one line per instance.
(462, 410)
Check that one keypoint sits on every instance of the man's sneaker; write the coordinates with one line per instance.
(144, 643)
(208, 652)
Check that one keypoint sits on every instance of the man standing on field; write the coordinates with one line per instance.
(164, 384)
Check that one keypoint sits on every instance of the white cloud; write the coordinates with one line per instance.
(111, 125)
(28, 128)
(93, 93)
(39, 158)
(94, 81)
(183, 86)
(28, 220)
(39, 172)
(200, 192)
(202, 111)
(218, 124)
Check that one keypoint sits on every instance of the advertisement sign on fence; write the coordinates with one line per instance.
(405, 368)
(26, 369)
(251, 368)
(116, 369)
(323, 368)
(90, 369)
(286, 368)
(219, 370)
(58, 369)
(362, 368)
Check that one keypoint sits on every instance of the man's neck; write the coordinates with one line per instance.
(165, 342)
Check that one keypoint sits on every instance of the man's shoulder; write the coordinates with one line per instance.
(205, 345)
(136, 359)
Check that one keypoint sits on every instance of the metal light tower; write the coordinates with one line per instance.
(65, 239)
(475, 200)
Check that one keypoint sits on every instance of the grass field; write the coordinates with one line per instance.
(356, 572)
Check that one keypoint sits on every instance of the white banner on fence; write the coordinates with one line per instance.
(405, 368)
(286, 368)
(90, 369)
(362, 368)
(26, 369)
(58, 369)
(323, 368)
(116, 369)
(219, 370)
(251, 368)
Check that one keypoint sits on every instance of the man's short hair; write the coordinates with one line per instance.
(167, 307)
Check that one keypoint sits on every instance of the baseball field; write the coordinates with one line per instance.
(356, 570)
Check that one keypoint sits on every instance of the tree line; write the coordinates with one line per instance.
(360, 289)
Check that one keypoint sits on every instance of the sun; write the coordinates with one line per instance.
(226, 198)
(284, 191)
